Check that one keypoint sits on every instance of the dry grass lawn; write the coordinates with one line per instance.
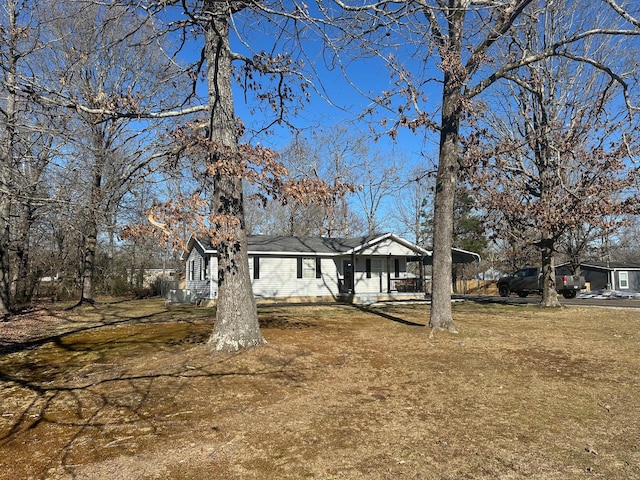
(130, 391)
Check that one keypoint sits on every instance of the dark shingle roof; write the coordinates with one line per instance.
(268, 243)
(273, 243)
(613, 265)
(333, 246)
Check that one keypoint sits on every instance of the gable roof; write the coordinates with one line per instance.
(272, 244)
(283, 245)
(458, 255)
(611, 265)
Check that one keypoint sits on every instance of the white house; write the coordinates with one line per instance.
(305, 268)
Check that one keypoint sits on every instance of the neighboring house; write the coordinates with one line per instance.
(148, 276)
(354, 269)
(612, 275)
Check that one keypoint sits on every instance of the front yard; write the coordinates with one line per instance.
(130, 390)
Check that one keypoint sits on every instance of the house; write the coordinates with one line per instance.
(623, 276)
(305, 268)
(146, 277)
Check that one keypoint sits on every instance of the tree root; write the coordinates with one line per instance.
(450, 329)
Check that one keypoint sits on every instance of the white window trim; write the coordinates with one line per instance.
(626, 280)
(308, 267)
(203, 269)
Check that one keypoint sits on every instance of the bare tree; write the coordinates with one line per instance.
(460, 38)
(337, 154)
(27, 146)
(412, 205)
(558, 163)
(378, 179)
(577, 243)
(332, 156)
(621, 245)
(118, 68)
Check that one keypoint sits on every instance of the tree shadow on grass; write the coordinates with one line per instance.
(123, 390)
(387, 316)
(112, 318)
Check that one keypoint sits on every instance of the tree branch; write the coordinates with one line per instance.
(549, 52)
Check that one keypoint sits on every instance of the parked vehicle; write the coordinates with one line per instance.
(529, 280)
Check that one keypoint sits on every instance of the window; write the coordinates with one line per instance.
(192, 270)
(307, 267)
(368, 263)
(397, 267)
(204, 273)
(623, 279)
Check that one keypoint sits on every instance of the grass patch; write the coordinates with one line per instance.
(130, 390)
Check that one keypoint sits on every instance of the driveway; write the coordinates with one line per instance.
(533, 299)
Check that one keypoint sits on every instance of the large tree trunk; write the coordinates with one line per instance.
(236, 325)
(541, 139)
(448, 164)
(549, 294)
(441, 316)
(91, 232)
(7, 152)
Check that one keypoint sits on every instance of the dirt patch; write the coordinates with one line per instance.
(131, 390)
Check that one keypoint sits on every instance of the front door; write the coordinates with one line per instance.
(376, 273)
(347, 268)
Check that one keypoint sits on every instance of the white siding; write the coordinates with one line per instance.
(370, 285)
(388, 247)
(278, 274)
(196, 281)
(382, 270)
(278, 278)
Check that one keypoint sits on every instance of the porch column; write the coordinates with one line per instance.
(353, 272)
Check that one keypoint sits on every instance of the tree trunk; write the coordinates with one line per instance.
(24, 279)
(440, 315)
(549, 294)
(88, 262)
(91, 235)
(4, 256)
(7, 152)
(236, 326)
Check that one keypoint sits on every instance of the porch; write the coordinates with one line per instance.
(370, 298)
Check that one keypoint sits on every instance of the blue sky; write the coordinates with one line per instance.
(370, 75)
(343, 105)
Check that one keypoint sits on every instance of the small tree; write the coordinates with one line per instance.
(468, 228)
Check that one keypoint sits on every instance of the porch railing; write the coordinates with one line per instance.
(406, 285)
